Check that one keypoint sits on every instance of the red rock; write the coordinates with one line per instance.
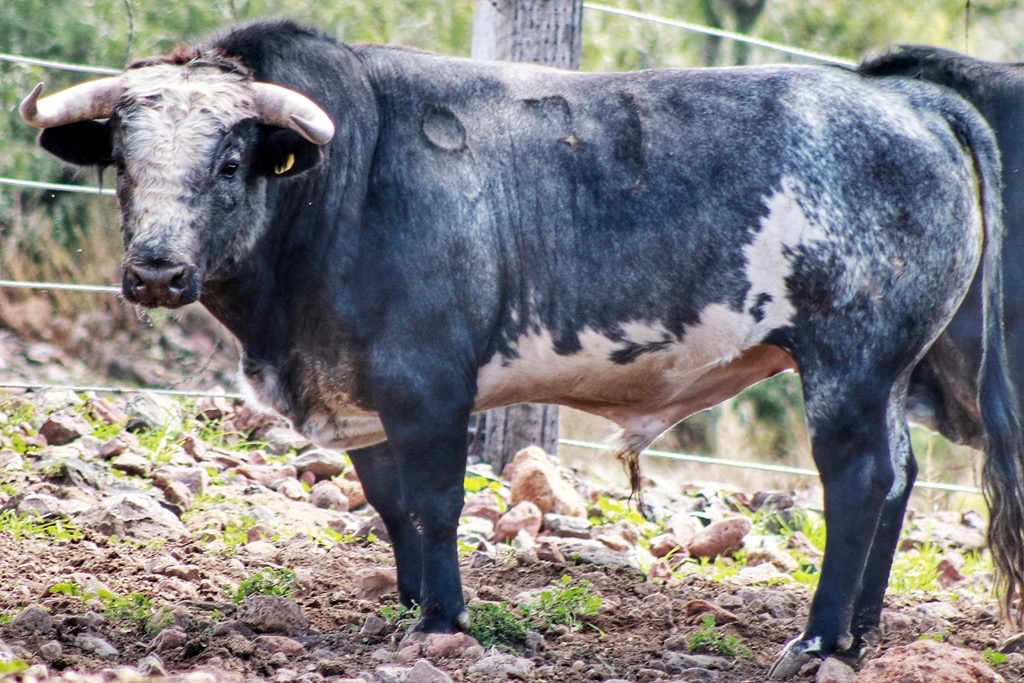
(615, 542)
(448, 645)
(483, 505)
(720, 538)
(287, 646)
(833, 670)
(293, 490)
(537, 479)
(664, 544)
(327, 495)
(950, 568)
(695, 611)
(683, 527)
(927, 661)
(524, 516)
(377, 582)
(61, 429)
(353, 490)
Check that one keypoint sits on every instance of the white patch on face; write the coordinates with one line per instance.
(174, 118)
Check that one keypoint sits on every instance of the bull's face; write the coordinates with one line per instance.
(193, 147)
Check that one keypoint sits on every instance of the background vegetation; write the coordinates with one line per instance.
(71, 237)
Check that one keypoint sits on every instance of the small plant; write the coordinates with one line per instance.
(399, 616)
(31, 525)
(569, 604)
(267, 582)
(994, 657)
(492, 622)
(707, 639)
(12, 666)
(937, 637)
(134, 607)
(916, 569)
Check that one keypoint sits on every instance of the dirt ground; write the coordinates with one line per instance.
(626, 640)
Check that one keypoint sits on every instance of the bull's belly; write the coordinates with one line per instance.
(646, 395)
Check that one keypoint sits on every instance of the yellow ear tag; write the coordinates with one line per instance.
(286, 166)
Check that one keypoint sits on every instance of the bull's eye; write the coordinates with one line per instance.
(229, 169)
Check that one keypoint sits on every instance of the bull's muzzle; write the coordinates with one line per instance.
(160, 283)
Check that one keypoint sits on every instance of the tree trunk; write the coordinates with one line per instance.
(544, 32)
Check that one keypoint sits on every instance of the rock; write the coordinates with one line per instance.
(286, 646)
(51, 651)
(391, 674)
(695, 610)
(149, 411)
(41, 504)
(949, 569)
(377, 582)
(353, 490)
(525, 516)
(132, 464)
(273, 614)
(324, 463)
(497, 666)
(61, 429)
(762, 573)
(168, 639)
(293, 489)
(833, 670)
(683, 527)
(196, 479)
(475, 530)
(138, 517)
(448, 645)
(327, 495)
(282, 440)
(96, 645)
(927, 661)
(585, 551)
(152, 665)
(782, 561)
(663, 544)
(1013, 644)
(565, 526)
(537, 479)
(695, 675)
(677, 662)
(549, 552)
(175, 493)
(720, 538)
(615, 542)
(33, 620)
(425, 672)
(483, 505)
(373, 626)
(944, 532)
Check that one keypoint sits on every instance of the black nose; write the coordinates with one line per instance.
(160, 283)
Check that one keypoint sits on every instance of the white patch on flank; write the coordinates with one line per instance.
(716, 358)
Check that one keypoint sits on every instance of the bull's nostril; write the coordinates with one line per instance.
(159, 282)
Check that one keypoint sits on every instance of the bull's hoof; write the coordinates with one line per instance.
(864, 647)
(791, 660)
(435, 623)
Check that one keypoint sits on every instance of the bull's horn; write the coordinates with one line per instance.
(83, 102)
(284, 108)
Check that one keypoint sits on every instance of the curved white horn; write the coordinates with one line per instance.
(284, 108)
(83, 102)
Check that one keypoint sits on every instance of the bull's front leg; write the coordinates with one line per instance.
(376, 467)
(428, 441)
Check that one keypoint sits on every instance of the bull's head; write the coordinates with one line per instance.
(193, 145)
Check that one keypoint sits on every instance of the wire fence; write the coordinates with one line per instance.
(110, 289)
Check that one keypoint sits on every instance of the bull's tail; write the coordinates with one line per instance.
(1003, 471)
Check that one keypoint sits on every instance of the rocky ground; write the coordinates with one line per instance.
(192, 540)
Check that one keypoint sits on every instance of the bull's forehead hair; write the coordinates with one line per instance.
(182, 108)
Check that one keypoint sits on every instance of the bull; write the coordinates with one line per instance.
(399, 239)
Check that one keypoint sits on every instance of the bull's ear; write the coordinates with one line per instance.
(86, 143)
(283, 153)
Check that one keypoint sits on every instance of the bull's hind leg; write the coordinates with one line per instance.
(864, 461)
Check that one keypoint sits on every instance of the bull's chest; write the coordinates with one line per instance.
(317, 397)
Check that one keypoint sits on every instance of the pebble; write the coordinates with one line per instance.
(273, 614)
